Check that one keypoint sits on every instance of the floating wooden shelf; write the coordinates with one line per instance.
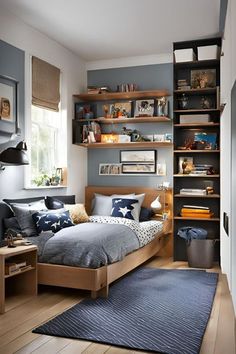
(103, 120)
(196, 110)
(198, 64)
(210, 196)
(201, 219)
(200, 91)
(197, 176)
(196, 151)
(141, 144)
(110, 96)
(189, 125)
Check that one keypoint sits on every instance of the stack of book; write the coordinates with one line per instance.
(183, 85)
(193, 211)
(189, 191)
(12, 268)
(201, 169)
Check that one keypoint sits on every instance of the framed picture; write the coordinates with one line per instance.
(144, 108)
(142, 168)
(203, 78)
(132, 156)
(109, 169)
(161, 169)
(205, 141)
(8, 105)
(168, 137)
(117, 110)
(159, 137)
(188, 162)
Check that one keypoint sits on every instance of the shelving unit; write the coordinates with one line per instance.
(184, 132)
(112, 97)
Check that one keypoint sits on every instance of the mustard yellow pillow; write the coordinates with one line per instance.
(77, 213)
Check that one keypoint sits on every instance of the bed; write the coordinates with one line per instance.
(96, 277)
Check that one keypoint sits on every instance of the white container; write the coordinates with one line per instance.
(124, 138)
(208, 52)
(183, 55)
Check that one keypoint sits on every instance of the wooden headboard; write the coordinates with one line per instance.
(150, 195)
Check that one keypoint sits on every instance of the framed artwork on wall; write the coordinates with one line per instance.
(132, 156)
(109, 169)
(143, 168)
(8, 105)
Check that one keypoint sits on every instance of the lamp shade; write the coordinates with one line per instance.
(15, 155)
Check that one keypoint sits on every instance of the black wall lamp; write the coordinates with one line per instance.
(14, 156)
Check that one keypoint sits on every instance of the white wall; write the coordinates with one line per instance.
(228, 76)
(20, 35)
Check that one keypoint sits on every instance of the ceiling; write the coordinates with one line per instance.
(107, 29)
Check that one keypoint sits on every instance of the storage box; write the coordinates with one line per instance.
(208, 52)
(201, 253)
(183, 55)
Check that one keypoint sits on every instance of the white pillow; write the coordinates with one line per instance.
(102, 204)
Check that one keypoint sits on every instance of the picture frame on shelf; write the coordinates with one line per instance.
(139, 168)
(110, 169)
(203, 78)
(85, 110)
(8, 105)
(159, 137)
(205, 140)
(138, 156)
(144, 108)
(117, 110)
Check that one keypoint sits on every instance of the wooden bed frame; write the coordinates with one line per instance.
(98, 280)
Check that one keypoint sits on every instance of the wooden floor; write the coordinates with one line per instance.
(16, 324)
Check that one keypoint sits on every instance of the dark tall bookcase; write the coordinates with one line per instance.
(184, 134)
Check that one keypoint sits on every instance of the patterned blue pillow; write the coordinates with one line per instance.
(48, 221)
(125, 208)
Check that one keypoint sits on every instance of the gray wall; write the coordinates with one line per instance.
(148, 77)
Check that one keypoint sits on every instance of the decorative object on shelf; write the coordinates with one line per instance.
(185, 164)
(183, 85)
(194, 118)
(209, 186)
(132, 156)
(156, 205)
(147, 137)
(203, 78)
(106, 169)
(96, 129)
(144, 168)
(135, 136)
(183, 102)
(162, 107)
(161, 169)
(144, 108)
(14, 156)
(127, 87)
(206, 102)
(169, 137)
(109, 138)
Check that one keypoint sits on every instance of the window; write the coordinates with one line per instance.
(47, 132)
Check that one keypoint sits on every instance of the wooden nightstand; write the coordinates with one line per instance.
(22, 282)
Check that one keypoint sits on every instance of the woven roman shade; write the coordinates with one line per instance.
(45, 85)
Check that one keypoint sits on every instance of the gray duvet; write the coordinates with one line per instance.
(90, 245)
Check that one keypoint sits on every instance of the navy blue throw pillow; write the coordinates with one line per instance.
(48, 221)
(53, 203)
(146, 214)
(125, 208)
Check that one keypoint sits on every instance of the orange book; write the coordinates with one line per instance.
(195, 215)
(197, 211)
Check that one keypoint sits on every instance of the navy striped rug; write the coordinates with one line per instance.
(150, 309)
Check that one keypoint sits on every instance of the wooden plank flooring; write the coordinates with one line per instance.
(16, 324)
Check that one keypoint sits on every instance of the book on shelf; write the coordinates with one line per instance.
(200, 211)
(195, 207)
(188, 191)
(197, 215)
(194, 118)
